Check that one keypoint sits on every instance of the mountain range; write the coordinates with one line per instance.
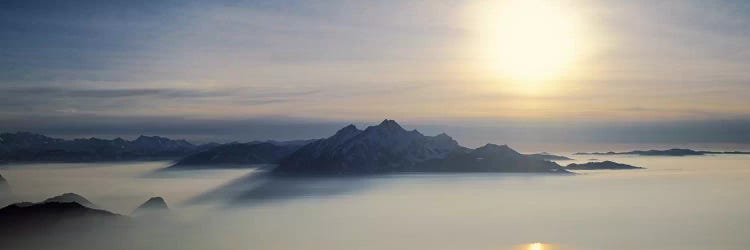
(388, 148)
(667, 152)
(383, 148)
(30, 147)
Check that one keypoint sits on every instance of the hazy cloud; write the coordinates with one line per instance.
(68, 62)
(111, 93)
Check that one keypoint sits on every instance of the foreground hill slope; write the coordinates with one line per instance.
(27, 218)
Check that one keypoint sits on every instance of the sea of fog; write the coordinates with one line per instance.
(679, 203)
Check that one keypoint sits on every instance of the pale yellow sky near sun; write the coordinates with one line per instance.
(412, 60)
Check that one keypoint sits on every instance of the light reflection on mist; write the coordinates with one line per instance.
(246, 209)
(540, 246)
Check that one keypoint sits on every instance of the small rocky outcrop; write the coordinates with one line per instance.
(151, 206)
(70, 197)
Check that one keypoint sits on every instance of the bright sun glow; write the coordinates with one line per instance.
(536, 246)
(528, 40)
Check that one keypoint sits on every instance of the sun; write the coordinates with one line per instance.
(528, 40)
(536, 246)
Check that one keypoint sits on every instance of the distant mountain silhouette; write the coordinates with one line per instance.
(384, 148)
(152, 206)
(489, 158)
(549, 157)
(388, 148)
(600, 165)
(668, 152)
(30, 147)
(285, 143)
(70, 197)
(240, 154)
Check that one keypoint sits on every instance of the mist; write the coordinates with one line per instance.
(247, 209)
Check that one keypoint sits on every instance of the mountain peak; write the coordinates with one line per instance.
(349, 127)
(70, 197)
(155, 206)
(387, 125)
(380, 148)
(494, 148)
(154, 203)
(347, 131)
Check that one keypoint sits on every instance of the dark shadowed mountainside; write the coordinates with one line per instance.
(239, 155)
(30, 147)
(488, 158)
(388, 148)
(384, 148)
(25, 218)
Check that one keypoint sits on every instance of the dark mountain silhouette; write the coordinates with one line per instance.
(388, 148)
(384, 148)
(29, 147)
(240, 154)
(70, 197)
(488, 158)
(286, 143)
(40, 218)
(151, 206)
(549, 157)
(154, 203)
(600, 165)
(668, 152)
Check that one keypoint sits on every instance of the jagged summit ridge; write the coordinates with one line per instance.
(381, 148)
(388, 147)
(388, 125)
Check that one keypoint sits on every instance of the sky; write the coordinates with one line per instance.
(596, 71)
